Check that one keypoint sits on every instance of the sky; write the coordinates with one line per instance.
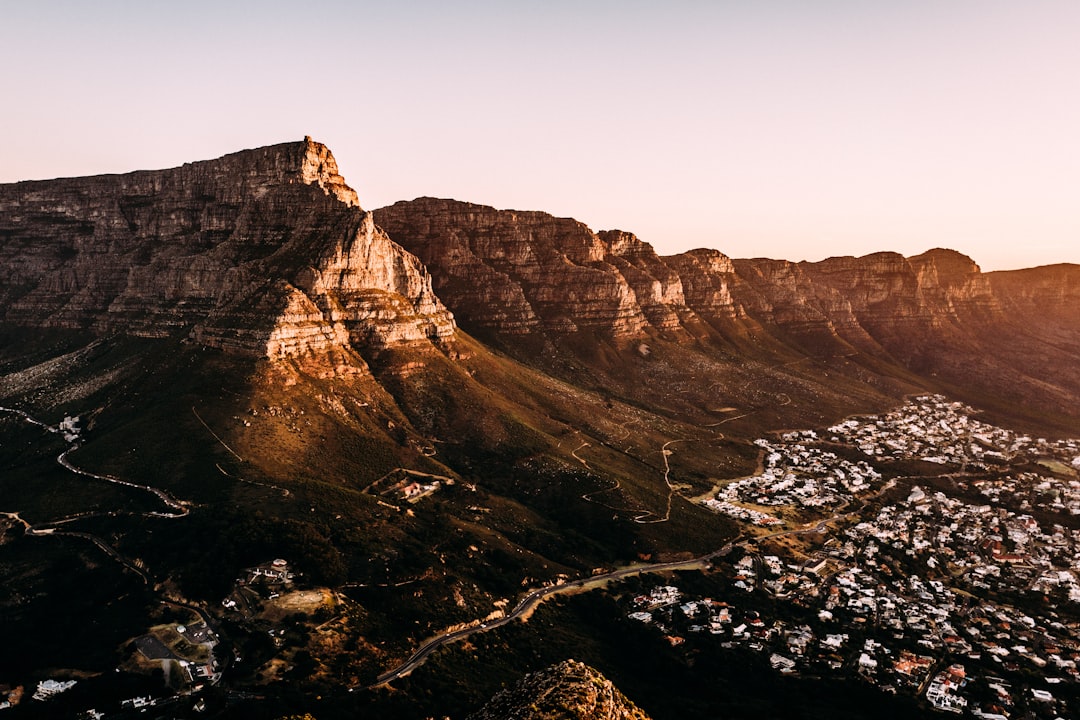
(773, 128)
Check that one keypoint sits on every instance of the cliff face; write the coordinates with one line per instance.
(934, 315)
(518, 272)
(570, 690)
(707, 278)
(1051, 292)
(267, 253)
(513, 272)
(263, 252)
(882, 302)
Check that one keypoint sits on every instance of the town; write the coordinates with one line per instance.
(923, 552)
(945, 586)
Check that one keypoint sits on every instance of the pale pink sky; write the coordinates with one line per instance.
(776, 128)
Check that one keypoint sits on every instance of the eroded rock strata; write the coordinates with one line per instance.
(516, 272)
(263, 252)
(267, 253)
(512, 273)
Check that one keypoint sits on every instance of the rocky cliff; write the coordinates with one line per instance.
(267, 253)
(515, 272)
(512, 273)
(570, 690)
(263, 252)
(1051, 292)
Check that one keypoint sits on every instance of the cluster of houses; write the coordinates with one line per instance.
(933, 570)
(741, 512)
(944, 690)
(796, 474)
(69, 428)
(919, 594)
(933, 429)
(186, 653)
(273, 573)
(254, 584)
(983, 547)
(408, 485)
(49, 688)
(891, 633)
(413, 491)
(1031, 491)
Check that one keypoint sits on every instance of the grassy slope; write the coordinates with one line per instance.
(552, 461)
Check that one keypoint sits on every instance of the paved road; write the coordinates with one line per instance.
(40, 530)
(180, 508)
(177, 508)
(534, 598)
(538, 595)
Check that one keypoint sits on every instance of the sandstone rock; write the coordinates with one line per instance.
(517, 272)
(263, 252)
(934, 315)
(267, 253)
(657, 287)
(570, 690)
(707, 277)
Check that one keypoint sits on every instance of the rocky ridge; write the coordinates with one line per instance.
(514, 272)
(570, 690)
(267, 253)
(517, 272)
(509, 274)
(263, 252)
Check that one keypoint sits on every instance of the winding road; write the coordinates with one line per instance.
(648, 517)
(51, 528)
(529, 602)
(177, 508)
(534, 597)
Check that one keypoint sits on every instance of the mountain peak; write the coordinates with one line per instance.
(305, 161)
(320, 168)
(264, 252)
(949, 263)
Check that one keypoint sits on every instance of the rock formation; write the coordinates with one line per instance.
(511, 273)
(263, 252)
(267, 253)
(570, 690)
(516, 272)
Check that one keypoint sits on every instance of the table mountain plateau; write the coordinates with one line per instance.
(263, 252)
(266, 253)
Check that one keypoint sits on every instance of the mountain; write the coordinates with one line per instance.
(425, 408)
(568, 691)
(266, 253)
(263, 252)
(509, 275)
